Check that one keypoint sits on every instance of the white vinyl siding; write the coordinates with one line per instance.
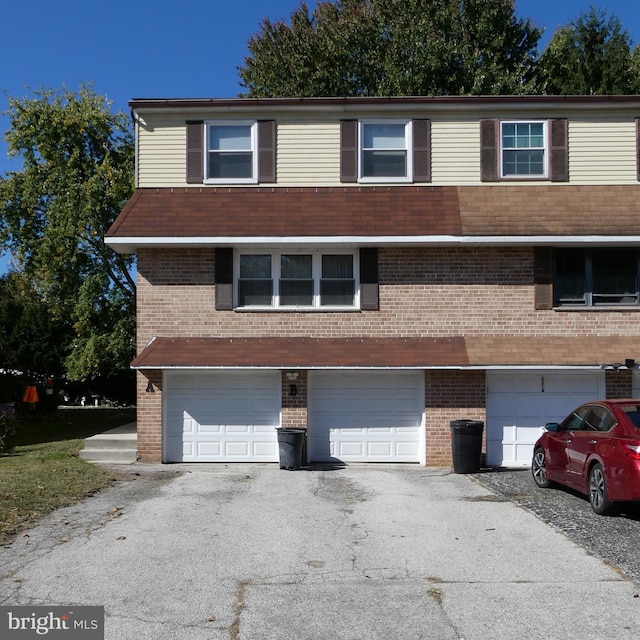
(162, 152)
(602, 151)
(455, 151)
(602, 148)
(308, 153)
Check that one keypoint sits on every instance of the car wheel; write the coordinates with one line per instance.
(539, 469)
(598, 497)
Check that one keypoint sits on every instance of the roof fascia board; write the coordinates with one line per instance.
(355, 104)
(130, 244)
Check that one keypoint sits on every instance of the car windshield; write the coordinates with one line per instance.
(633, 413)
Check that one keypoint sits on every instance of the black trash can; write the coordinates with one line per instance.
(466, 445)
(290, 447)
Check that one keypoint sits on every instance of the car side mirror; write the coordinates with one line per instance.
(553, 427)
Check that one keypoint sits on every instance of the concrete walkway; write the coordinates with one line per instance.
(366, 552)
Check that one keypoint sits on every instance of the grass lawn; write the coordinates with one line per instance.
(40, 470)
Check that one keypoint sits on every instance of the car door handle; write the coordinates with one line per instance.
(592, 441)
(568, 441)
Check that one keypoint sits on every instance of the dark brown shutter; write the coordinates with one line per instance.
(195, 152)
(348, 151)
(422, 150)
(489, 150)
(543, 277)
(638, 148)
(266, 151)
(369, 297)
(559, 150)
(224, 278)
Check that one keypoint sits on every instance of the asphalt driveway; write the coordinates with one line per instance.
(614, 538)
(251, 552)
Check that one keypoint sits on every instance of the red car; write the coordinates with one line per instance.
(595, 450)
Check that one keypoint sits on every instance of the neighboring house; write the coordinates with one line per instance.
(373, 268)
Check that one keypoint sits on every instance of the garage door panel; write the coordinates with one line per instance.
(222, 417)
(365, 416)
(380, 449)
(207, 449)
(405, 449)
(347, 449)
(240, 449)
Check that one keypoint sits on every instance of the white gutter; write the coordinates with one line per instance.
(520, 367)
(129, 244)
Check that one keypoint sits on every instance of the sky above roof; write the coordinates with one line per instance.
(170, 48)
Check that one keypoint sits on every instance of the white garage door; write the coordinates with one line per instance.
(222, 416)
(519, 404)
(365, 416)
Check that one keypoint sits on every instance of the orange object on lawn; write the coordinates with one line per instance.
(31, 395)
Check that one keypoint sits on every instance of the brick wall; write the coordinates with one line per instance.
(149, 416)
(294, 400)
(619, 383)
(423, 292)
(451, 395)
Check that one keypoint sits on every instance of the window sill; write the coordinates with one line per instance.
(524, 179)
(598, 308)
(385, 180)
(229, 182)
(297, 309)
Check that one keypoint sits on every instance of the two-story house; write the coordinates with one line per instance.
(373, 268)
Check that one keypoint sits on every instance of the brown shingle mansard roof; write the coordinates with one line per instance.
(425, 352)
(213, 212)
(294, 212)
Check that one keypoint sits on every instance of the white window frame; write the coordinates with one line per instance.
(253, 124)
(545, 151)
(408, 149)
(316, 273)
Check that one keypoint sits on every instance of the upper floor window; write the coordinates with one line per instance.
(385, 151)
(231, 152)
(592, 277)
(523, 149)
(296, 280)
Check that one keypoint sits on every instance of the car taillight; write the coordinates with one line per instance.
(633, 450)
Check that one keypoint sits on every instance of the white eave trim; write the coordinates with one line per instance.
(130, 244)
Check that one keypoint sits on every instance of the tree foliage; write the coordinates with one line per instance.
(592, 55)
(77, 174)
(393, 47)
(31, 341)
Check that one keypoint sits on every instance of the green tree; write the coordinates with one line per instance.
(393, 47)
(77, 174)
(31, 341)
(592, 55)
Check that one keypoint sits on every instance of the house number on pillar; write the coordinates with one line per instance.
(542, 384)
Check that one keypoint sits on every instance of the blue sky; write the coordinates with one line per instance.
(170, 48)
